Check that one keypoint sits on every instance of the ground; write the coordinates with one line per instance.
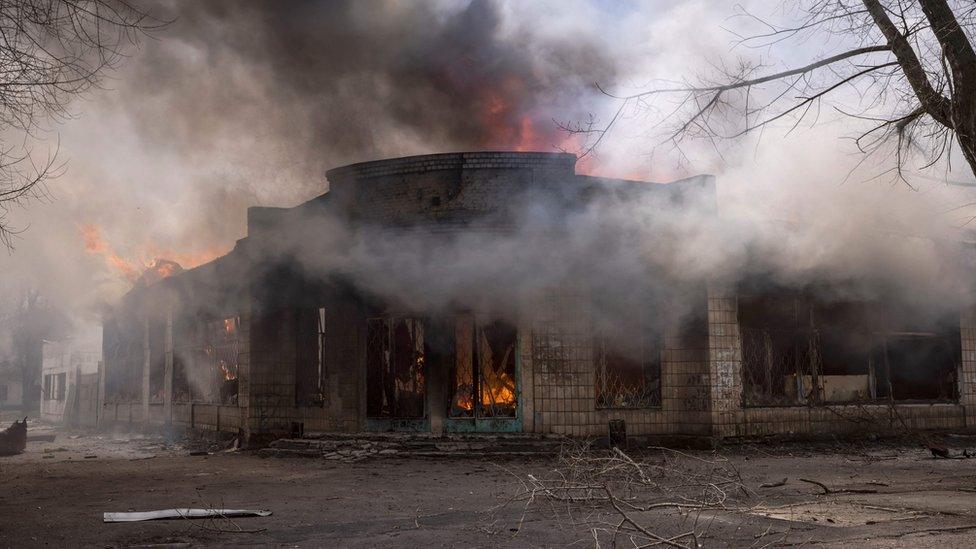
(55, 493)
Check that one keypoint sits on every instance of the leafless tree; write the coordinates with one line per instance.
(30, 321)
(906, 68)
(50, 52)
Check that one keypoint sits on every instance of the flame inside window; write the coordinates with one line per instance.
(484, 366)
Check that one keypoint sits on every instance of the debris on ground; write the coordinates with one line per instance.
(828, 491)
(773, 484)
(13, 439)
(47, 437)
(938, 450)
(182, 513)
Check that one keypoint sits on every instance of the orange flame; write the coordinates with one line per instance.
(149, 265)
(511, 123)
(94, 243)
(229, 374)
(497, 390)
(464, 401)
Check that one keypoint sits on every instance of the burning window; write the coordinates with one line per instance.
(221, 351)
(395, 368)
(484, 365)
(310, 371)
(628, 370)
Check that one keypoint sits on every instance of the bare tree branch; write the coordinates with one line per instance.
(52, 51)
(921, 103)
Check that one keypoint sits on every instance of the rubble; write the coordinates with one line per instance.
(13, 439)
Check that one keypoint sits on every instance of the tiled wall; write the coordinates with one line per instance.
(701, 388)
(967, 377)
(724, 362)
(558, 352)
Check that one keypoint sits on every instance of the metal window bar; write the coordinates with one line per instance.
(496, 370)
(617, 389)
(221, 351)
(779, 366)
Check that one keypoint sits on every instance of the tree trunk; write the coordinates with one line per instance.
(958, 112)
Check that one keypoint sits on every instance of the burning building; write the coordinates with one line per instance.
(418, 294)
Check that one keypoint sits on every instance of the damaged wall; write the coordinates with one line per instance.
(450, 249)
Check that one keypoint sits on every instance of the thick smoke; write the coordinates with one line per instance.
(329, 83)
(242, 103)
(248, 103)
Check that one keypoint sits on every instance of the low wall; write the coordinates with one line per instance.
(197, 416)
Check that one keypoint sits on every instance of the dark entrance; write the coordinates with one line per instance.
(396, 374)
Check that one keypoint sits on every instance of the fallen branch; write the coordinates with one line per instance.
(828, 491)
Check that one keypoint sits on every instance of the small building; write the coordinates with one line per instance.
(280, 335)
(69, 383)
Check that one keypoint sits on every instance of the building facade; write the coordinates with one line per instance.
(69, 384)
(260, 343)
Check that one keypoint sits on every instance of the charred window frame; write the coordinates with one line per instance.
(221, 350)
(311, 367)
(46, 388)
(796, 350)
(920, 366)
(779, 350)
(396, 384)
(628, 375)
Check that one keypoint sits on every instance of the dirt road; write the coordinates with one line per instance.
(55, 494)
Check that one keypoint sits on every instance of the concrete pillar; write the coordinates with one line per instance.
(724, 361)
(168, 372)
(100, 395)
(146, 360)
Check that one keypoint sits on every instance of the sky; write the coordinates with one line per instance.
(235, 104)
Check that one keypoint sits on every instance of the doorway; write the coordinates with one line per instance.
(396, 377)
